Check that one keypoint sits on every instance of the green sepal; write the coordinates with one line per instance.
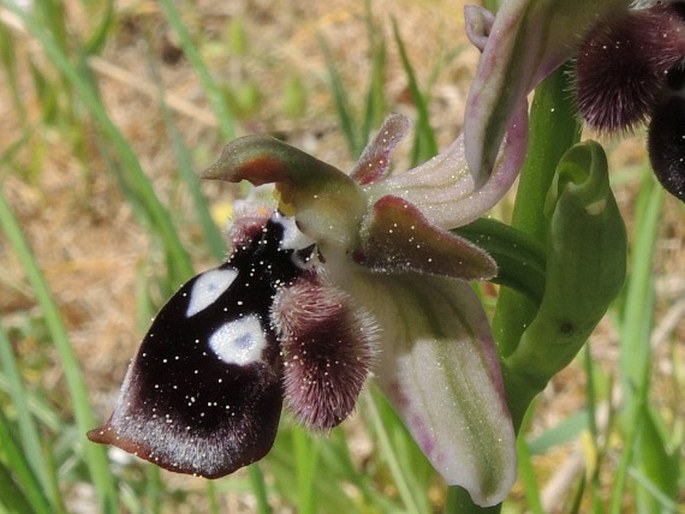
(586, 265)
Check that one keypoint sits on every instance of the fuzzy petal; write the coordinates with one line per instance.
(439, 368)
(529, 39)
(328, 346)
(623, 65)
(397, 237)
(444, 190)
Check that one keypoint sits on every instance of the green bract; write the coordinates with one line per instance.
(586, 265)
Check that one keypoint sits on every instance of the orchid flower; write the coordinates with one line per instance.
(343, 278)
(353, 275)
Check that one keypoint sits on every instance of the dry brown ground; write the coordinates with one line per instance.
(89, 244)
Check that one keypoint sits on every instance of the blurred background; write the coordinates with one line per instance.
(108, 111)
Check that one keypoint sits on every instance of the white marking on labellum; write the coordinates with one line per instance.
(208, 287)
(240, 341)
(292, 238)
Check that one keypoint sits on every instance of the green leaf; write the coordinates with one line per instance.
(586, 265)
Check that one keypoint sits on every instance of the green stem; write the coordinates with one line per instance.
(516, 308)
(551, 108)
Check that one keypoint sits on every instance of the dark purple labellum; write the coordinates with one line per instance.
(667, 145)
(204, 393)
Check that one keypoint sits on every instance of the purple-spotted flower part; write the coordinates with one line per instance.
(354, 275)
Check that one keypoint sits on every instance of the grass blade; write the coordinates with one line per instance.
(12, 498)
(637, 316)
(227, 124)
(259, 488)
(399, 473)
(29, 487)
(9, 64)
(657, 469)
(425, 145)
(341, 101)
(138, 187)
(306, 460)
(375, 109)
(98, 36)
(213, 237)
(526, 473)
(95, 456)
(636, 323)
(28, 431)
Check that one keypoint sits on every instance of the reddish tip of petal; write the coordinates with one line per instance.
(398, 237)
(374, 162)
(328, 348)
(253, 158)
(101, 435)
(621, 66)
(108, 434)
